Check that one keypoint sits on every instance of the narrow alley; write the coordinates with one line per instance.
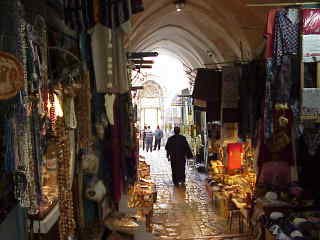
(182, 213)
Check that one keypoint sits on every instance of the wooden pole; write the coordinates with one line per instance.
(318, 75)
(281, 4)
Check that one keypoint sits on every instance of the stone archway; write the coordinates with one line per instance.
(151, 108)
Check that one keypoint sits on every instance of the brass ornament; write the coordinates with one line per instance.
(11, 75)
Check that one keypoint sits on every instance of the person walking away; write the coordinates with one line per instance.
(143, 135)
(178, 150)
(149, 139)
(158, 135)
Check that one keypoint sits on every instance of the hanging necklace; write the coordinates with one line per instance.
(67, 223)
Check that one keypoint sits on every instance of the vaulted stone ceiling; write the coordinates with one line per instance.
(204, 32)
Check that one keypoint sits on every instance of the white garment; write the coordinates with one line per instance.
(101, 45)
(69, 113)
(108, 104)
(120, 71)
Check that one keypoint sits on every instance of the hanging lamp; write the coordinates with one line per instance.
(180, 5)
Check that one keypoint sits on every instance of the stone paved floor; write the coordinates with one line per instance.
(182, 213)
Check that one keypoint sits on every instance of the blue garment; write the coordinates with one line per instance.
(158, 134)
(149, 136)
(286, 39)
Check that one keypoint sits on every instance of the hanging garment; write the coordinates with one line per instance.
(73, 15)
(269, 33)
(69, 112)
(275, 173)
(311, 21)
(251, 90)
(277, 151)
(109, 103)
(126, 26)
(285, 85)
(235, 156)
(137, 6)
(115, 13)
(120, 74)
(230, 94)
(230, 86)
(116, 161)
(286, 34)
(101, 45)
(9, 27)
(267, 105)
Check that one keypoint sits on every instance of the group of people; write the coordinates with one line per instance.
(178, 150)
(148, 135)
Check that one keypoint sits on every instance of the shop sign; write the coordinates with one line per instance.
(11, 75)
(310, 104)
(311, 48)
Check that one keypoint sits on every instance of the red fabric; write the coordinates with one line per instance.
(234, 155)
(116, 156)
(311, 21)
(275, 168)
(276, 173)
(269, 32)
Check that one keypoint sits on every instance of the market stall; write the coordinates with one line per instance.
(68, 142)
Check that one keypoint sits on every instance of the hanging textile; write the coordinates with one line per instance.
(269, 33)
(73, 14)
(286, 34)
(311, 21)
(230, 86)
(102, 56)
(285, 85)
(120, 74)
(117, 178)
(115, 13)
(137, 6)
(235, 156)
(230, 99)
(109, 103)
(276, 156)
(208, 85)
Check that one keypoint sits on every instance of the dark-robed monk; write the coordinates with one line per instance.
(178, 150)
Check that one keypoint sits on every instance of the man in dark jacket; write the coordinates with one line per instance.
(178, 150)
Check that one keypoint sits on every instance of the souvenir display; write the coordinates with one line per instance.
(67, 224)
(143, 193)
(11, 77)
(61, 119)
(122, 223)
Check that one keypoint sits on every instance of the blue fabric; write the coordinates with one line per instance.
(9, 158)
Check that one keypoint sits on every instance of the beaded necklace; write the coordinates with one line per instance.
(67, 224)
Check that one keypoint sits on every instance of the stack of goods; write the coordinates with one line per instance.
(216, 167)
(142, 194)
(121, 222)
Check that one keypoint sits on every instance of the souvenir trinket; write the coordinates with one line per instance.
(11, 75)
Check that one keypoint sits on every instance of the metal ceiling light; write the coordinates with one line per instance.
(180, 5)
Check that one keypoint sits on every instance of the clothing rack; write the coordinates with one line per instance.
(226, 63)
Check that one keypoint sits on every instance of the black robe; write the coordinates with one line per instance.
(178, 150)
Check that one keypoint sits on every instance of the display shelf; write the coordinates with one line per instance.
(43, 226)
